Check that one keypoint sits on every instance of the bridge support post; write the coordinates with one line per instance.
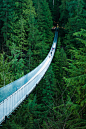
(26, 97)
(5, 119)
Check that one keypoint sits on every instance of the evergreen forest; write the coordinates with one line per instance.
(59, 100)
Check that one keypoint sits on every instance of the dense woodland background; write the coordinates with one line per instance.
(59, 100)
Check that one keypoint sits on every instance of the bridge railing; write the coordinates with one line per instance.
(14, 93)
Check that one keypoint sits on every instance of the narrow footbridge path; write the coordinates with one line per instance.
(14, 93)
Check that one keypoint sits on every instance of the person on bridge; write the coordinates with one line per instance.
(51, 53)
(57, 27)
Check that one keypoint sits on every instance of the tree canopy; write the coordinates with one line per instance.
(59, 100)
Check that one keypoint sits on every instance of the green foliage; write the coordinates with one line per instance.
(60, 61)
(76, 82)
(5, 73)
(25, 41)
(45, 95)
(74, 20)
(54, 8)
(44, 19)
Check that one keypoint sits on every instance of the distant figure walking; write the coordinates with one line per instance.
(51, 53)
(57, 26)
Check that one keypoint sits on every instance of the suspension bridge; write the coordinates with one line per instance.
(14, 93)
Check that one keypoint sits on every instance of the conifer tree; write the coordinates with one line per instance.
(45, 92)
(54, 8)
(5, 73)
(76, 83)
(60, 61)
(6, 16)
(44, 19)
(76, 21)
(63, 12)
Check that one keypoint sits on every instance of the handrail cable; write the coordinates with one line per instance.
(14, 93)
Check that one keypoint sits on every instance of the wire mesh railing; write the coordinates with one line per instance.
(14, 93)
